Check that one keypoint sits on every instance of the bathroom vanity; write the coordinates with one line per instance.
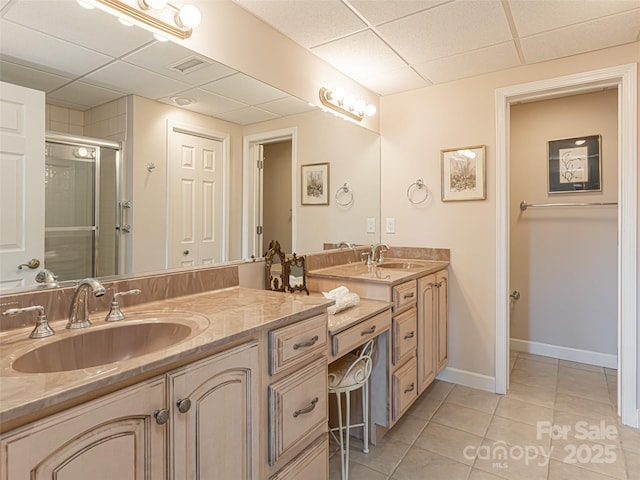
(243, 394)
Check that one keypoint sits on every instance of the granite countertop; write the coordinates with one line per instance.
(217, 318)
(360, 271)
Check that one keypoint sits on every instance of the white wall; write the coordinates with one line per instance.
(564, 260)
(415, 126)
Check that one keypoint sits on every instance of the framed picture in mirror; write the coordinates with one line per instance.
(315, 184)
(295, 274)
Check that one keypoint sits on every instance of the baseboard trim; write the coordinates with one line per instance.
(468, 379)
(565, 353)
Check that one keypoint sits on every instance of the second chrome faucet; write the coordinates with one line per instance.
(79, 312)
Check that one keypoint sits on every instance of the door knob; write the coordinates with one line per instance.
(32, 264)
(515, 295)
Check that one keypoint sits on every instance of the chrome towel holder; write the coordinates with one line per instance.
(417, 185)
(344, 195)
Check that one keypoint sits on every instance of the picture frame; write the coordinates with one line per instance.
(315, 184)
(463, 173)
(575, 164)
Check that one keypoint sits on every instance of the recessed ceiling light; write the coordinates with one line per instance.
(183, 101)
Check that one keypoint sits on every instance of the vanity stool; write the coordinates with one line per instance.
(346, 375)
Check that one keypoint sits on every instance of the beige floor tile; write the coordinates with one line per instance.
(481, 475)
(425, 407)
(524, 412)
(532, 378)
(538, 358)
(407, 429)
(533, 366)
(585, 377)
(473, 398)
(383, 458)
(580, 388)
(611, 371)
(584, 406)
(421, 464)
(515, 465)
(582, 366)
(462, 418)
(563, 471)
(633, 464)
(544, 396)
(449, 442)
(439, 389)
(579, 426)
(356, 471)
(630, 438)
(518, 434)
(605, 459)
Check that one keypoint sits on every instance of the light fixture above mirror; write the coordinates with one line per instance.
(346, 104)
(158, 16)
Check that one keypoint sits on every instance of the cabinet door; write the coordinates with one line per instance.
(114, 437)
(442, 279)
(214, 417)
(427, 296)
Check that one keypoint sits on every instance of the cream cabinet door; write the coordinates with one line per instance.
(114, 437)
(427, 298)
(213, 429)
(442, 284)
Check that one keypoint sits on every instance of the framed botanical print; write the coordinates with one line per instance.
(463, 173)
(575, 164)
(315, 184)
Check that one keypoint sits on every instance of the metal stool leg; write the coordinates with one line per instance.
(347, 427)
(341, 441)
(365, 415)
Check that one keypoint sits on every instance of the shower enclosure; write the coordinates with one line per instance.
(81, 206)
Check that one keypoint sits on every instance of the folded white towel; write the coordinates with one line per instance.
(344, 299)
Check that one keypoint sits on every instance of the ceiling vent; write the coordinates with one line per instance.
(189, 65)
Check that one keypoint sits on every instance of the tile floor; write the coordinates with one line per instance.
(558, 422)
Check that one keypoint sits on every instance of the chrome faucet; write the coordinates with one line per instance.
(378, 248)
(79, 313)
(350, 246)
(47, 277)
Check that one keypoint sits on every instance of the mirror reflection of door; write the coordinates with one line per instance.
(195, 199)
(276, 195)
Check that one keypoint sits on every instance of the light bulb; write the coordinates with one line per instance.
(153, 3)
(188, 17)
(370, 110)
(349, 100)
(360, 106)
(337, 94)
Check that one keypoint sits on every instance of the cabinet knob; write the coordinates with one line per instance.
(161, 416)
(184, 405)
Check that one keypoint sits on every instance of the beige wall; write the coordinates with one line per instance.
(415, 126)
(148, 143)
(564, 260)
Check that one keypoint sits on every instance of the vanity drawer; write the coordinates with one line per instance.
(405, 387)
(360, 333)
(312, 464)
(404, 295)
(405, 335)
(296, 343)
(297, 408)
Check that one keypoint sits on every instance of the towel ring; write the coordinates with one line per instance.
(417, 185)
(346, 193)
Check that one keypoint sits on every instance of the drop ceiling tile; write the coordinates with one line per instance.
(287, 106)
(394, 81)
(159, 56)
(584, 37)
(447, 30)
(308, 22)
(377, 12)
(245, 89)
(536, 16)
(129, 78)
(51, 54)
(247, 116)
(81, 93)
(360, 56)
(30, 77)
(93, 29)
(478, 62)
(206, 102)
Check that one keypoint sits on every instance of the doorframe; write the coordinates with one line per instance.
(249, 179)
(225, 138)
(624, 77)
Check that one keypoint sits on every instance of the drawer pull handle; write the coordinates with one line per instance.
(306, 344)
(409, 335)
(409, 295)
(368, 332)
(308, 409)
(410, 388)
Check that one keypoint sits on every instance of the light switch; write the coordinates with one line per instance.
(391, 225)
(371, 225)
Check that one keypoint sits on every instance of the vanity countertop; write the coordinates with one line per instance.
(361, 272)
(220, 317)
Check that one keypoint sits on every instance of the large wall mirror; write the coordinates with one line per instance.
(144, 94)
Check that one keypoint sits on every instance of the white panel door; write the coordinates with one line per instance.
(21, 183)
(195, 200)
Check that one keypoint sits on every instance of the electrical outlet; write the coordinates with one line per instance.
(391, 225)
(371, 225)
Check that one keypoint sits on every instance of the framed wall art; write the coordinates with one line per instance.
(463, 173)
(315, 184)
(575, 164)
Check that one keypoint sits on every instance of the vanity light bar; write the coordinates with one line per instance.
(346, 104)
